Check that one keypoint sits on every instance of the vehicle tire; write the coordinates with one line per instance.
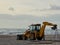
(25, 38)
(39, 38)
(32, 37)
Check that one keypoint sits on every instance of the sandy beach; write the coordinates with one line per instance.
(11, 40)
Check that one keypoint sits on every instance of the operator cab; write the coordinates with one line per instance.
(35, 27)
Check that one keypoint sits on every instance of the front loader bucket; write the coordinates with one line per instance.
(19, 37)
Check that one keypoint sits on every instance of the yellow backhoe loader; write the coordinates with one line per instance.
(36, 31)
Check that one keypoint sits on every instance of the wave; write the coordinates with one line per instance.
(21, 31)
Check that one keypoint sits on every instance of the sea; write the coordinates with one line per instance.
(10, 31)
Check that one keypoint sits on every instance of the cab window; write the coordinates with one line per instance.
(38, 27)
(32, 27)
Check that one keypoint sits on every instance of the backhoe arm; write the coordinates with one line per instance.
(44, 26)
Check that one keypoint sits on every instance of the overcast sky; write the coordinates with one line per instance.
(21, 13)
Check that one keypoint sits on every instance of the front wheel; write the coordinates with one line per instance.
(25, 38)
(32, 37)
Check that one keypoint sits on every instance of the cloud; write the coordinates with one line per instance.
(18, 21)
(53, 7)
(53, 17)
(22, 21)
(11, 9)
(21, 6)
(29, 7)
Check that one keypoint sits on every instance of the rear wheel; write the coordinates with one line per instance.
(39, 38)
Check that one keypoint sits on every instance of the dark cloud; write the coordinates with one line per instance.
(11, 9)
(53, 7)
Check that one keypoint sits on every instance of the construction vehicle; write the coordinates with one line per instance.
(36, 31)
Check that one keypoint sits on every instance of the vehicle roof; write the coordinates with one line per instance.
(35, 25)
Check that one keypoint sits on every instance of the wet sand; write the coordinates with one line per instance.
(11, 40)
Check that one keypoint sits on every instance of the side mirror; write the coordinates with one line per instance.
(54, 27)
